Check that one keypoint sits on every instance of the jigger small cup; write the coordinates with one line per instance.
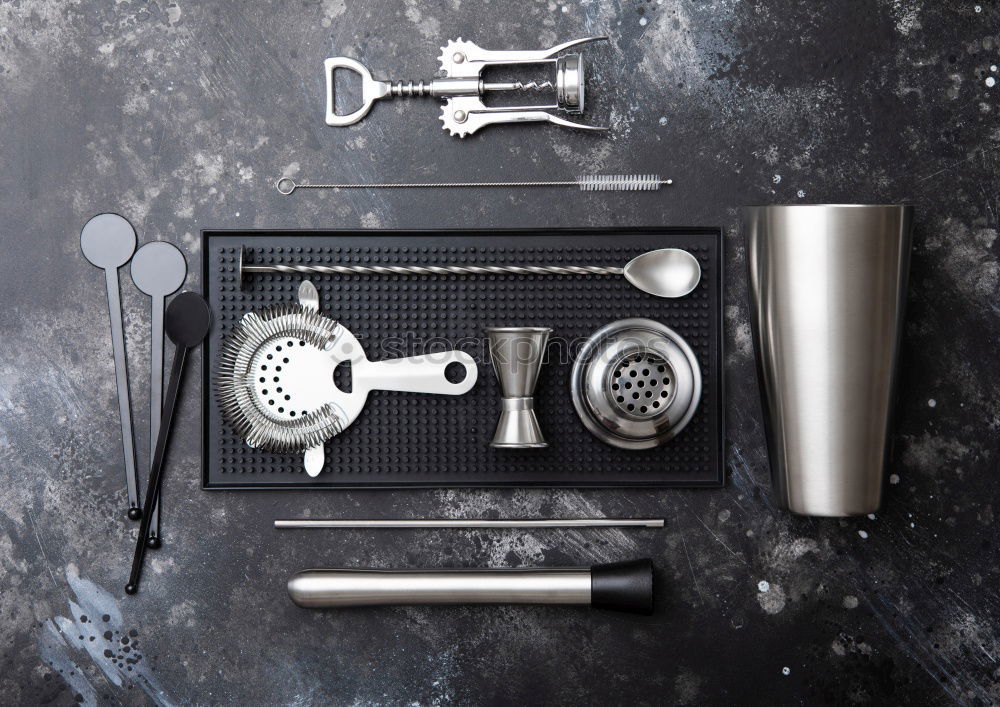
(517, 353)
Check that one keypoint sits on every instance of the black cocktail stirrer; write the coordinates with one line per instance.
(187, 321)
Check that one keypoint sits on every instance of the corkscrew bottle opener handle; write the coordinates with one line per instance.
(463, 88)
(371, 91)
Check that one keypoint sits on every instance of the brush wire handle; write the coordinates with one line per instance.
(588, 182)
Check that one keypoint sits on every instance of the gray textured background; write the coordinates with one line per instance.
(181, 115)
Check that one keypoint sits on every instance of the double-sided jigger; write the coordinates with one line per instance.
(517, 354)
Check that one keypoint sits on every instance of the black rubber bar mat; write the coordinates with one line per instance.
(411, 439)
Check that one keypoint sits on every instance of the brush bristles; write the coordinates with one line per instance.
(621, 182)
(233, 380)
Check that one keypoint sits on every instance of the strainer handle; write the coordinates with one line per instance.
(416, 374)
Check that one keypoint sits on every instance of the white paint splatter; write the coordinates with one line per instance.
(643, 21)
(332, 9)
(677, 52)
(763, 586)
(907, 17)
(893, 479)
(863, 534)
(776, 179)
(871, 516)
(990, 82)
(773, 600)
(663, 120)
(208, 168)
(850, 602)
(786, 671)
(96, 629)
(429, 27)
(932, 403)
(801, 194)
(52, 649)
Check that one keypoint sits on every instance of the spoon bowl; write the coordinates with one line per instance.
(667, 272)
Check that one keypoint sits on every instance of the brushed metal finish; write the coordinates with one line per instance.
(474, 523)
(461, 84)
(517, 354)
(635, 384)
(328, 588)
(667, 272)
(827, 295)
(283, 397)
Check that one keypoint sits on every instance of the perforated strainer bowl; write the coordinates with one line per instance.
(635, 384)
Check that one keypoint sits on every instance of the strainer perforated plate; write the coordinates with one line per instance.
(636, 384)
(643, 384)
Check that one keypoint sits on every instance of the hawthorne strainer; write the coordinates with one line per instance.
(279, 387)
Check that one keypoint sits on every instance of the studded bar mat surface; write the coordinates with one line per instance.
(411, 439)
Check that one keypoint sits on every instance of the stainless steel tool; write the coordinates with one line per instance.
(827, 293)
(475, 523)
(108, 241)
(275, 382)
(463, 88)
(667, 272)
(635, 384)
(158, 270)
(622, 586)
(517, 354)
(587, 182)
(187, 321)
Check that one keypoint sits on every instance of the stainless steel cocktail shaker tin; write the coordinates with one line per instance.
(827, 292)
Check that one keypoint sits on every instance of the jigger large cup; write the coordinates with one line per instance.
(517, 354)
(827, 292)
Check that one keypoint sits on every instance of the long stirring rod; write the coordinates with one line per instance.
(108, 241)
(187, 322)
(474, 523)
(121, 382)
(158, 269)
(155, 403)
(156, 470)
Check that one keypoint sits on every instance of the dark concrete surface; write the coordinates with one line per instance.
(181, 115)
